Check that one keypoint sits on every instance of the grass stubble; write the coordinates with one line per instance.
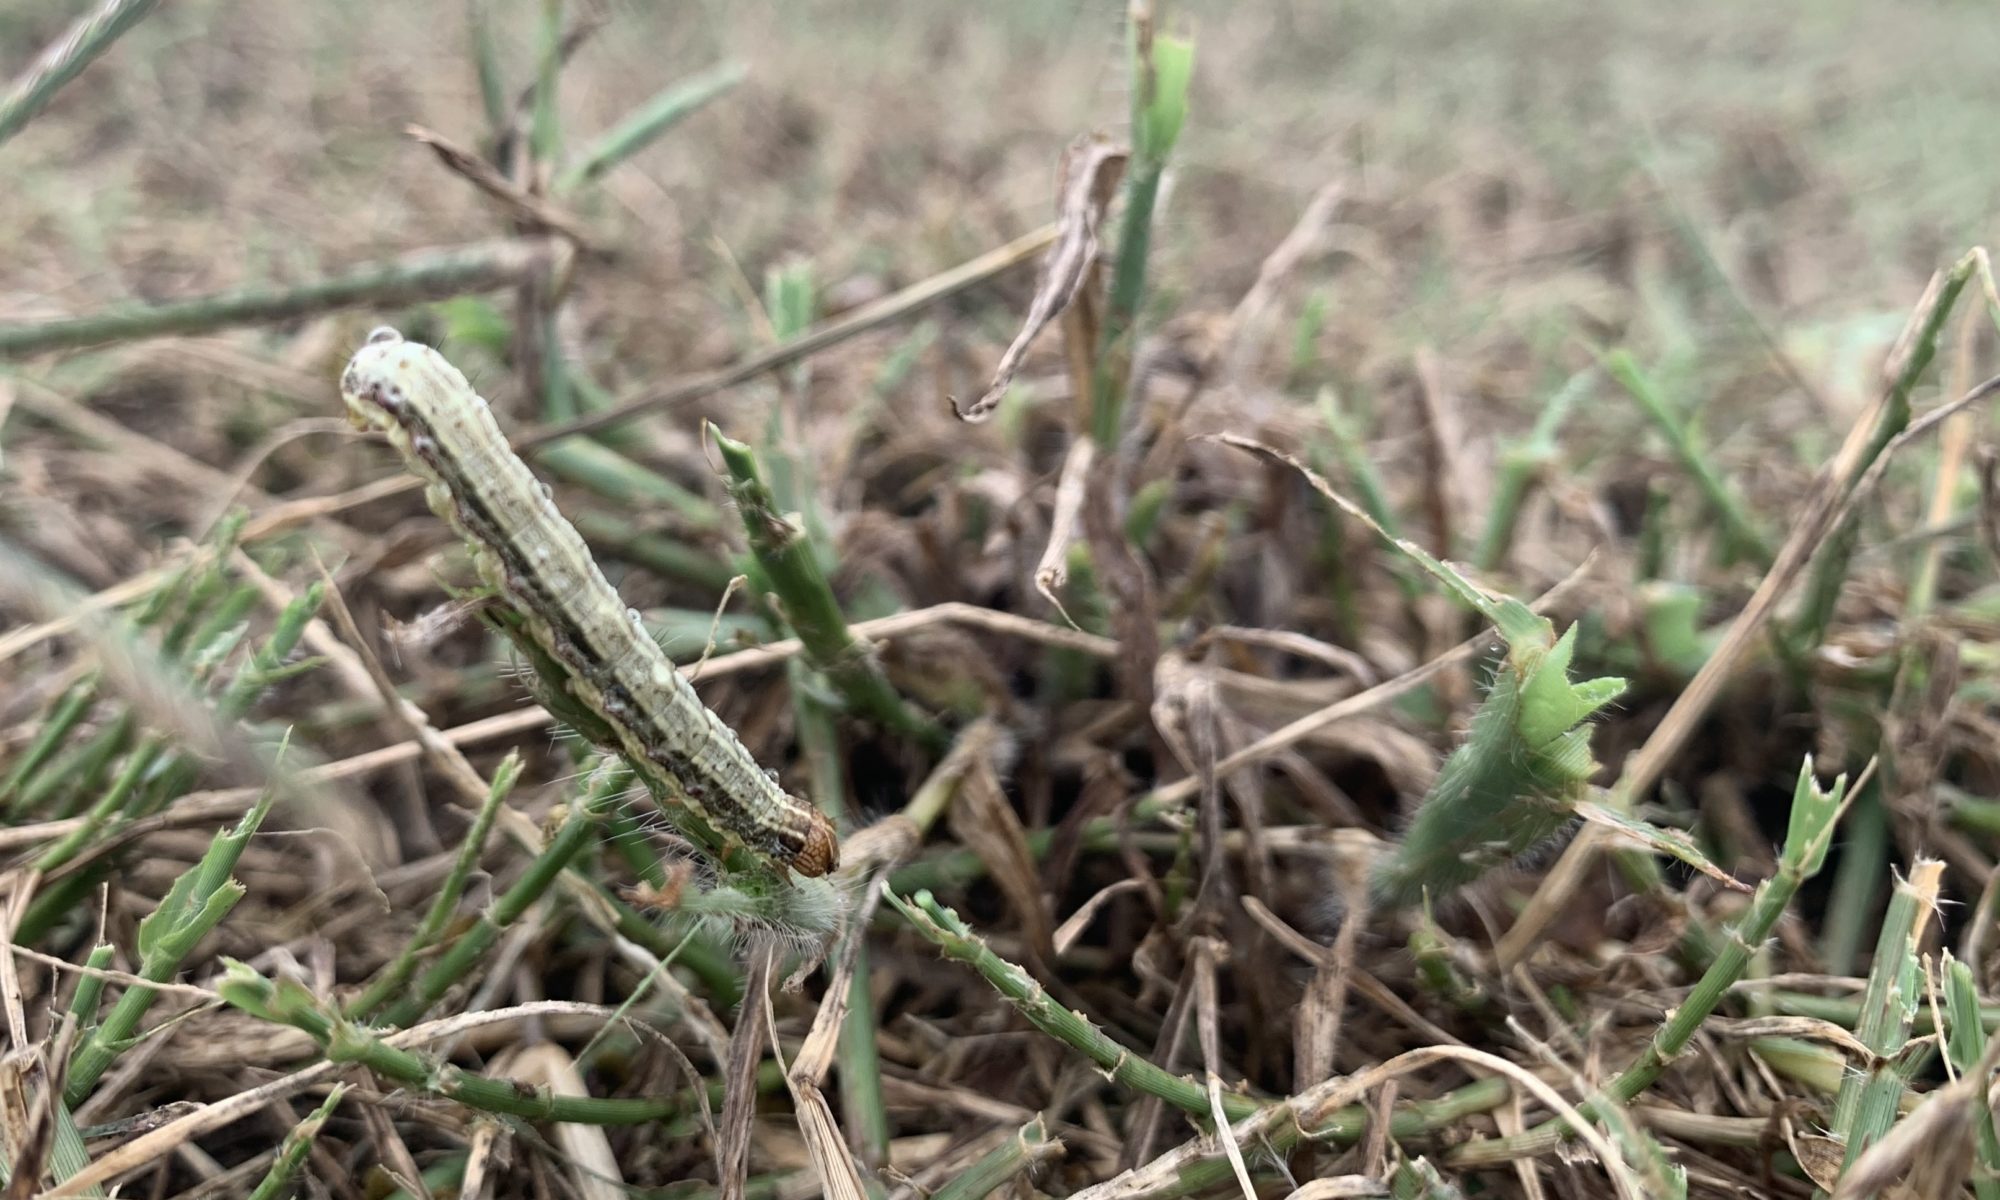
(1132, 725)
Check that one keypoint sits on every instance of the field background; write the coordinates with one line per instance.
(1750, 199)
(1508, 165)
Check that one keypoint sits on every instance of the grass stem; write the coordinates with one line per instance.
(788, 559)
(397, 973)
(66, 58)
(430, 275)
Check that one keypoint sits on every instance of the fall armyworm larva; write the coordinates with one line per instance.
(527, 551)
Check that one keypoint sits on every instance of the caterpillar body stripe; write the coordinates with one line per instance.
(528, 552)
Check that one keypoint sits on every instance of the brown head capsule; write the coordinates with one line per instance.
(821, 852)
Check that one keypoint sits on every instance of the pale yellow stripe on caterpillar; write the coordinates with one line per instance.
(535, 559)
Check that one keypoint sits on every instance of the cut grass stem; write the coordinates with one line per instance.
(1028, 1146)
(1856, 895)
(287, 1002)
(1830, 568)
(1813, 819)
(1966, 1047)
(430, 275)
(200, 897)
(667, 108)
(393, 977)
(277, 1180)
(65, 714)
(1742, 538)
(1130, 1068)
(1161, 69)
(1521, 464)
(865, 1116)
(90, 37)
(1869, 1100)
(791, 565)
(666, 556)
(1124, 1066)
(576, 832)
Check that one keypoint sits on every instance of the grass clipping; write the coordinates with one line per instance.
(1523, 772)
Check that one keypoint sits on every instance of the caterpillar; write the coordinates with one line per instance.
(534, 558)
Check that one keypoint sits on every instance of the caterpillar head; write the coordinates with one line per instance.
(372, 386)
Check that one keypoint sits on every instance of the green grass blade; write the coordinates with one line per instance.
(64, 715)
(198, 900)
(1162, 67)
(276, 1183)
(1966, 1047)
(645, 124)
(792, 566)
(65, 59)
(576, 832)
(432, 926)
(430, 275)
(1741, 534)
(1868, 1102)
(1029, 1146)
(286, 1002)
(486, 61)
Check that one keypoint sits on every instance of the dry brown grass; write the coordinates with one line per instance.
(1167, 820)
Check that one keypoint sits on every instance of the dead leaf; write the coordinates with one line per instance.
(1091, 170)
